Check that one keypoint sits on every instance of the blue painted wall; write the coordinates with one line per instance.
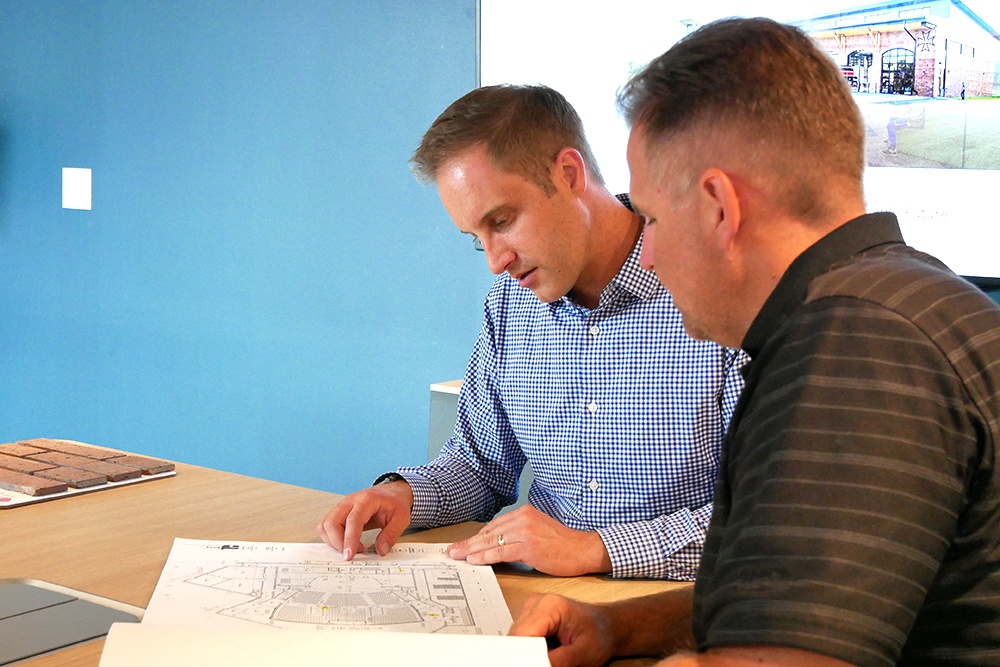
(261, 286)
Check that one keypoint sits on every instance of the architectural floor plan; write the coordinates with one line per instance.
(414, 588)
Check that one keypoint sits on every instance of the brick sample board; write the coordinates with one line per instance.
(45, 468)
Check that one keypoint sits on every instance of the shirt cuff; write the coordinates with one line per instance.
(669, 547)
(425, 500)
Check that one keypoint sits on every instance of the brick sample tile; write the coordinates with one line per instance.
(116, 472)
(19, 449)
(29, 485)
(147, 465)
(78, 479)
(22, 464)
(69, 448)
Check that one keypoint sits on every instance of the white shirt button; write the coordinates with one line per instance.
(592, 406)
(594, 330)
(594, 486)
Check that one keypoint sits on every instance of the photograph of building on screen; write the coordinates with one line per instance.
(926, 75)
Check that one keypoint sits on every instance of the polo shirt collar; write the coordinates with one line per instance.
(851, 238)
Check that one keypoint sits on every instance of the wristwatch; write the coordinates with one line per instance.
(387, 478)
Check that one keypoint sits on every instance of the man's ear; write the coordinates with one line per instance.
(570, 169)
(719, 194)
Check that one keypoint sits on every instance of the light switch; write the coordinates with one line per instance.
(76, 191)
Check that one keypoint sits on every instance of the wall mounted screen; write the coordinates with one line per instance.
(925, 74)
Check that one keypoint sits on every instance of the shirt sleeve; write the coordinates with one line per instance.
(479, 467)
(667, 547)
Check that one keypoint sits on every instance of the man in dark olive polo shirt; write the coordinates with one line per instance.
(856, 516)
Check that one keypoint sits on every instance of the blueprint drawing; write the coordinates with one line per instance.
(414, 588)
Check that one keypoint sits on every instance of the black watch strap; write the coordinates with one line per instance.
(388, 477)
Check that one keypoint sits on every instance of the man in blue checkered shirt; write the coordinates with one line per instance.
(571, 373)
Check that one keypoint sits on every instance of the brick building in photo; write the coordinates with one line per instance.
(932, 48)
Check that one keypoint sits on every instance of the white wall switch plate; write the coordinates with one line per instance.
(76, 190)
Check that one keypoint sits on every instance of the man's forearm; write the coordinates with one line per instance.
(657, 624)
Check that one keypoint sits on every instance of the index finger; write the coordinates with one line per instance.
(331, 527)
(354, 525)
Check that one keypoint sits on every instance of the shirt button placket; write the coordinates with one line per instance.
(593, 331)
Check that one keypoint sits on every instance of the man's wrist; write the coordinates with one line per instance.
(388, 478)
(405, 492)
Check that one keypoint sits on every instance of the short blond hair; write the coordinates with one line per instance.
(523, 129)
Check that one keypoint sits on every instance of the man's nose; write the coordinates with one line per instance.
(498, 256)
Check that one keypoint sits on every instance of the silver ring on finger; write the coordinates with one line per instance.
(500, 540)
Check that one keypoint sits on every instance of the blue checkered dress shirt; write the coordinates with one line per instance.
(619, 412)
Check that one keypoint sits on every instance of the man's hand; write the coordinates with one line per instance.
(586, 634)
(385, 506)
(535, 539)
(583, 633)
(657, 624)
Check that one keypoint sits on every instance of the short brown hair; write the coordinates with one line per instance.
(523, 128)
(765, 82)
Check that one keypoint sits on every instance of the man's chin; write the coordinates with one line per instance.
(692, 329)
(547, 295)
(701, 333)
(694, 332)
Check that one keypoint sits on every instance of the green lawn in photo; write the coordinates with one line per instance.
(962, 134)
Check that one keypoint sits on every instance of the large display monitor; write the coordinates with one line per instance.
(926, 76)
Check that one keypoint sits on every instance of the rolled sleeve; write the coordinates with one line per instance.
(668, 547)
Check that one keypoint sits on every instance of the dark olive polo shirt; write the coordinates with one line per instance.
(857, 510)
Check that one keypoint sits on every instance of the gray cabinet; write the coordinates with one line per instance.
(444, 407)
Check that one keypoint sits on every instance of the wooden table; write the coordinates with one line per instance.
(114, 543)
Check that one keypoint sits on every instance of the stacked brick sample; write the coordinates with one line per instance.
(44, 466)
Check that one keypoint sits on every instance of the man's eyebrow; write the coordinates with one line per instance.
(493, 212)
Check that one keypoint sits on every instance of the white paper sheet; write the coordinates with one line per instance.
(414, 588)
(130, 644)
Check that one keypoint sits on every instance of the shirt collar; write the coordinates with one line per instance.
(851, 238)
(632, 278)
